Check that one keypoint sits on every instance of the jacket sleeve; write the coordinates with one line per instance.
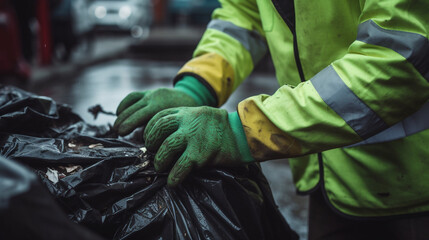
(231, 46)
(378, 86)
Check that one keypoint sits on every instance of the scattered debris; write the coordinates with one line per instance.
(95, 110)
(52, 175)
(143, 149)
(96, 146)
(143, 164)
(72, 169)
(144, 154)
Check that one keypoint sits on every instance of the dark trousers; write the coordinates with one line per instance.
(324, 223)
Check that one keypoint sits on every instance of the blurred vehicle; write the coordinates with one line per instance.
(193, 12)
(71, 25)
(133, 16)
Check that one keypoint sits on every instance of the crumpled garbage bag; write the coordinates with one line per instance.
(28, 211)
(108, 184)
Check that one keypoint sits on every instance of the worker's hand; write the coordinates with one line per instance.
(186, 138)
(139, 107)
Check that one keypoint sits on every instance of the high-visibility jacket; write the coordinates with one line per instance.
(352, 110)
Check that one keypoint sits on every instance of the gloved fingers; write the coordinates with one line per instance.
(158, 132)
(156, 118)
(129, 100)
(180, 170)
(169, 151)
(137, 119)
(130, 111)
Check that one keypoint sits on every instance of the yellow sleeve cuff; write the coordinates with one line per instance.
(266, 141)
(214, 72)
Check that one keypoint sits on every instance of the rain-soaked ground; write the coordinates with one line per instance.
(108, 83)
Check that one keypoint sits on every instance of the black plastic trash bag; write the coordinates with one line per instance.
(109, 185)
(28, 211)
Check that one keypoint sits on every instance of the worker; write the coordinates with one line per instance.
(351, 113)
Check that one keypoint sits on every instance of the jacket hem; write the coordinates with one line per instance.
(358, 218)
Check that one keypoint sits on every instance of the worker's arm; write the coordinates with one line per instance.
(380, 81)
(231, 46)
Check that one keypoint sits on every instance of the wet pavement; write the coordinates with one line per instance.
(109, 82)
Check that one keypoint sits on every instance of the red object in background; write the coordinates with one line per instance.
(45, 41)
(160, 8)
(11, 60)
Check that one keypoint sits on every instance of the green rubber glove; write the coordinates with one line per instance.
(186, 138)
(139, 107)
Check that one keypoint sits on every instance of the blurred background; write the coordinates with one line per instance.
(88, 52)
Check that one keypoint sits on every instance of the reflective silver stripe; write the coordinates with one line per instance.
(335, 93)
(251, 40)
(412, 46)
(417, 122)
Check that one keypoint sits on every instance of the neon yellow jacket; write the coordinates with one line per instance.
(352, 109)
